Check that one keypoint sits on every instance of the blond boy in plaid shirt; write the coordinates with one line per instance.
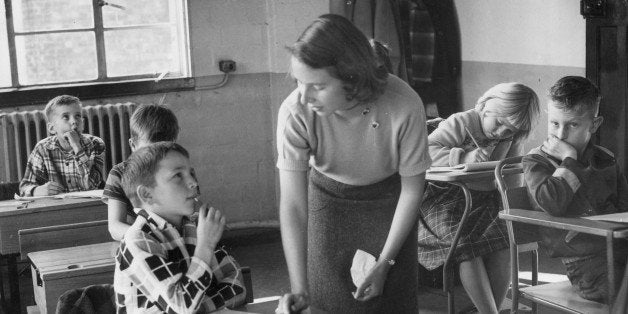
(66, 161)
(167, 263)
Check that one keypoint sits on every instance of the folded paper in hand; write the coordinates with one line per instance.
(362, 264)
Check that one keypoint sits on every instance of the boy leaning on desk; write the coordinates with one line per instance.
(570, 176)
(67, 160)
(167, 262)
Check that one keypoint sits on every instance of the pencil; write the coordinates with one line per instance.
(472, 138)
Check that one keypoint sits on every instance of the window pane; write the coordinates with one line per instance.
(39, 15)
(52, 58)
(139, 12)
(5, 67)
(142, 51)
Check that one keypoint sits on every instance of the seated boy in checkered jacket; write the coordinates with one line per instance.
(167, 263)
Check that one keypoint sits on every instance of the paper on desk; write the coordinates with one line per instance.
(82, 194)
(616, 217)
(475, 166)
(14, 204)
(362, 263)
(30, 198)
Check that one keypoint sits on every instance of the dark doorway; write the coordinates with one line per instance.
(607, 66)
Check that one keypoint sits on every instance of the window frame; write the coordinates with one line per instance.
(101, 87)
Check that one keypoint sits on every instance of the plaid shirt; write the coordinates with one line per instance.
(156, 272)
(49, 162)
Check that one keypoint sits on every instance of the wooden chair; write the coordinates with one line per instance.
(8, 189)
(522, 223)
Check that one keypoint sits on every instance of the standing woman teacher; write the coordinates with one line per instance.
(363, 133)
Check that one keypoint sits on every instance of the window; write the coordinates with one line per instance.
(65, 43)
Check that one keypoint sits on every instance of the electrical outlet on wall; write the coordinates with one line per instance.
(227, 66)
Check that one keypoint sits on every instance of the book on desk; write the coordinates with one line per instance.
(616, 217)
(95, 194)
(468, 167)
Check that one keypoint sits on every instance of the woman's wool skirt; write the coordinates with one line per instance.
(342, 219)
(441, 212)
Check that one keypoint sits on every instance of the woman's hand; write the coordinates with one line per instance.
(293, 303)
(373, 284)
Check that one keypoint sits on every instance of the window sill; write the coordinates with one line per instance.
(40, 95)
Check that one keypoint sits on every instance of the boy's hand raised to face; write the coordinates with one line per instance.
(558, 148)
(74, 139)
(211, 224)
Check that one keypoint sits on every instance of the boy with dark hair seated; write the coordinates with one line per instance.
(149, 123)
(166, 262)
(570, 176)
(66, 161)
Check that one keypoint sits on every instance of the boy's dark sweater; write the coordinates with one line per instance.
(602, 190)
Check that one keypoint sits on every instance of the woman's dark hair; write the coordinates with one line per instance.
(332, 42)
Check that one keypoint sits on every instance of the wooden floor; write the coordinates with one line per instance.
(262, 252)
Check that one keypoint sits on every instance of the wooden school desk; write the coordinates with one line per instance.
(57, 271)
(461, 179)
(40, 213)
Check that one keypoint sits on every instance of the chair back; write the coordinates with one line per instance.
(512, 196)
(515, 197)
(8, 189)
(96, 299)
(432, 124)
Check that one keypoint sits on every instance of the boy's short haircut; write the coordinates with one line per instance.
(154, 123)
(142, 165)
(62, 100)
(576, 93)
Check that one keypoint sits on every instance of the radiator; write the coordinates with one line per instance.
(20, 131)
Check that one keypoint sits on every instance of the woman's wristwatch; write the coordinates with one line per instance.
(388, 261)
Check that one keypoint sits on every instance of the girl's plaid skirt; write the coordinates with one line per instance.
(441, 212)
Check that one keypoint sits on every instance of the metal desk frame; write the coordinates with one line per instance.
(461, 179)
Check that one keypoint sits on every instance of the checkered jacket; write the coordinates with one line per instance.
(49, 162)
(156, 271)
